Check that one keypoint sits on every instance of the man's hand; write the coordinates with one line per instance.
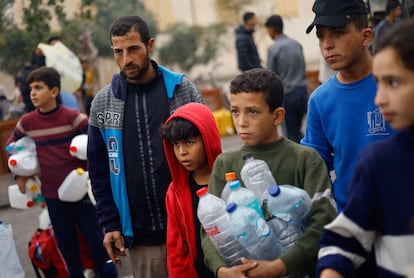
(266, 269)
(237, 271)
(114, 245)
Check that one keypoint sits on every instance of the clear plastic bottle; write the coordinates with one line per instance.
(254, 233)
(256, 175)
(289, 202)
(215, 221)
(230, 177)
(287, 208)
(244, 197)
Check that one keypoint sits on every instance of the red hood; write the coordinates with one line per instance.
(201, 116)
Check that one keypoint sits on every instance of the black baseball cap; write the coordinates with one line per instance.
(335, 13)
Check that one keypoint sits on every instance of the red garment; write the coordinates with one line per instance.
(181, 237)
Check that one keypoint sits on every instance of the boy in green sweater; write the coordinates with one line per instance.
(257, 108)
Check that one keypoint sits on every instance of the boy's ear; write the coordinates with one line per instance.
(279, 115)
(367, 34)
(55, 92)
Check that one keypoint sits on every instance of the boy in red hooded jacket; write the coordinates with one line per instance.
(191, 143)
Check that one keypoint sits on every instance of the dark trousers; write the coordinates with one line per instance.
(295, 105)
(65, 217)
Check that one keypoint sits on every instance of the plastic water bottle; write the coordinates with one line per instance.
(244, 197)
(254, 233)
(75, 186)
(256, 175)
(215, 221)
(286, 208)
(289, 202)
(230, 177)
(78, 146)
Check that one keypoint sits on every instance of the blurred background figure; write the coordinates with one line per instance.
(285, 58)
(392, 16)
(4, 104)
(87, 87)
(247, 55)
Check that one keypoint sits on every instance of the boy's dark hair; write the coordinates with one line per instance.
(179, 129)
(48, 75)
(247, 16)
(260, 81)
(124, 24)
(360, 21)
(411, 11)
(275, 22)
(400, 38)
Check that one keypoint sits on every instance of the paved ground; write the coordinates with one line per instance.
(24, 222)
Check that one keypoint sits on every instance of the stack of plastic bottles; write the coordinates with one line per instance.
(253, 232)
(264, 218)
(286, 207)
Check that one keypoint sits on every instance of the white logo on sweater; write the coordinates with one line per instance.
(376, 122)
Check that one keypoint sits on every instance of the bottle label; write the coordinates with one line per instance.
(212, 231)
(262, 229)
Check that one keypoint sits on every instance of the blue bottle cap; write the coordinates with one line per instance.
(274, 190)
(234, 185)
(231, 207)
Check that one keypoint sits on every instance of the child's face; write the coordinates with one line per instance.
(255, 124)
(42, 97)
(191, 154)
(395, 91)
(342, 47)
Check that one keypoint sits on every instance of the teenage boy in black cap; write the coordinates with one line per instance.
(342, 117)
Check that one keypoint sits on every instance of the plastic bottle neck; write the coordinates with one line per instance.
(234, 185)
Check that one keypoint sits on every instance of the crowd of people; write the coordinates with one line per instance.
(152, 144)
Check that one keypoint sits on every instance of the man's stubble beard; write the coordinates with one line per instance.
(141, 70)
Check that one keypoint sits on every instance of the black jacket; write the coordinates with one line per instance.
(247, 55)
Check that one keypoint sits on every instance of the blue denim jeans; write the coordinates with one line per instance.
(65, 217)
